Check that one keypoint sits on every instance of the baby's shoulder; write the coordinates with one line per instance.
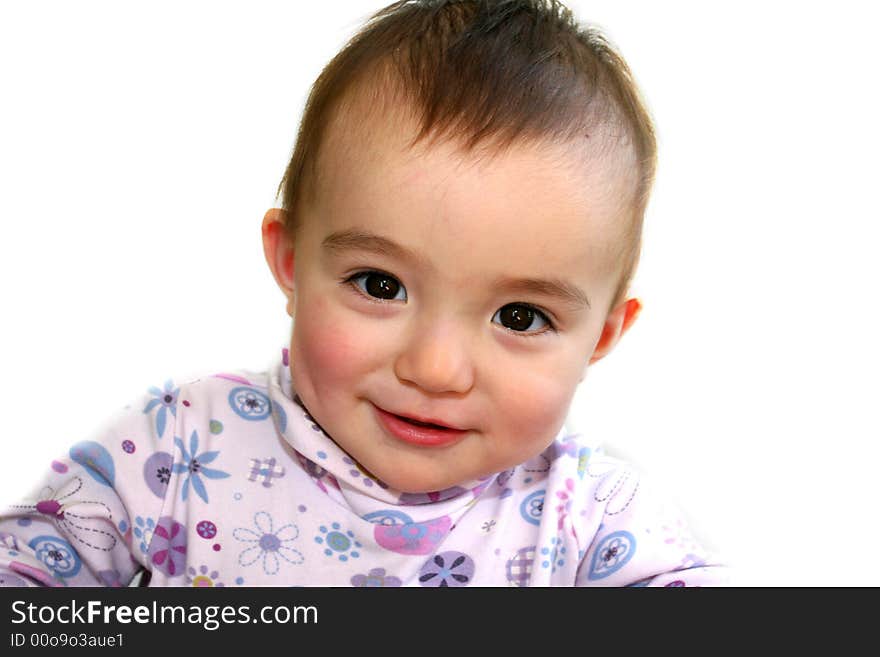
(172, 405)
(584, 474)
(222, 386)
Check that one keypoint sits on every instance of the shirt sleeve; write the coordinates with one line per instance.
(91, 520)
(644, 540)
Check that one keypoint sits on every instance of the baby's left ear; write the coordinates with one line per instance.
(616, 324)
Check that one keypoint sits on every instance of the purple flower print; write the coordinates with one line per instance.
(194, 465)
(203, 577)
(167, 401)
(376, 578)
(157, 473)
(206, 529)
(268, 544)
(447, 569)
(168, 547)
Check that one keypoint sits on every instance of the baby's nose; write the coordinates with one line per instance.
(437, 360)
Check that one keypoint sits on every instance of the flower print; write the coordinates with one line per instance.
(612, 554)
(168, 547)
(268, 544)
(54, 505)
(143, 530)
(337, 543)
(411, 537)
(376, 578)
(57, 554)
(206, 529)
(194, 465)
(202, 578)
(447, 569)
(249, 403)
(166, 400)
(532, 507)
(157, 473)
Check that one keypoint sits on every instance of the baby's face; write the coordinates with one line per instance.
(469, 294)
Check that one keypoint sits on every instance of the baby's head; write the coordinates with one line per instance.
(460, 222)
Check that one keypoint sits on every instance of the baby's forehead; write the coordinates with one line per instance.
(601, 165)
(534, 201)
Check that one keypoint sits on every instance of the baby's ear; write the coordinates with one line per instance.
(278, 249)
(616, 324)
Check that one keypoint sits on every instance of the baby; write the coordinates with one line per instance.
(461, 220)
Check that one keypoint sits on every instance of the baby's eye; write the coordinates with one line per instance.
(521, 317)
(379, 285)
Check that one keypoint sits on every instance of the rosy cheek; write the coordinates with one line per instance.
(537, 405)
(325, 347)
(335, 348)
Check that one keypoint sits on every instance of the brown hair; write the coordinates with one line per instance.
(483, 72)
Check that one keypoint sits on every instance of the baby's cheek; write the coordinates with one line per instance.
(539, 408)
(330, 349)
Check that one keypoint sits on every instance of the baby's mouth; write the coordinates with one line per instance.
(422, 424)
(422, 433)
(419, 423)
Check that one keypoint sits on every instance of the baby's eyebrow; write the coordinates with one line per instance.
(354, 239)
(554, 287)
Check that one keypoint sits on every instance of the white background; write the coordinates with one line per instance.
(140, 145)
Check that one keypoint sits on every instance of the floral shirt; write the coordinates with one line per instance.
(228, 481)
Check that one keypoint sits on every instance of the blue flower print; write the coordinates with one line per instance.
(532, 507)
(56, 554)
(144, 531)
(337, 543)
(194, 465)
(268, 544)
(249, 403)
(166, 400)
(612, 554)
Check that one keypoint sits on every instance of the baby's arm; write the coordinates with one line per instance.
(90, 521)
(644, 540)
